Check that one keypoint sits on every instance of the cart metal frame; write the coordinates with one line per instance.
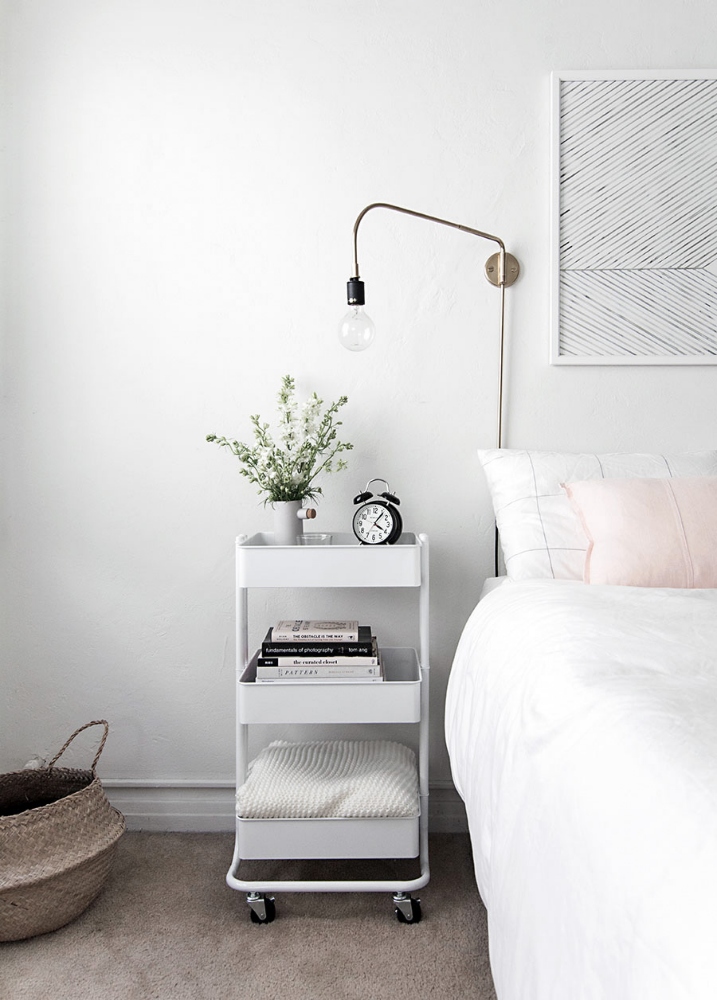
(260, 563)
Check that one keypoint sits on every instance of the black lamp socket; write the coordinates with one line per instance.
(355, 292)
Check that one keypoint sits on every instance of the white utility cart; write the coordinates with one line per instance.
(402, 697)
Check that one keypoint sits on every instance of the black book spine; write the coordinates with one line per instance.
(325, 649)
(364, 646)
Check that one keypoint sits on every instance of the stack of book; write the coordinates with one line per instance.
(324, 651)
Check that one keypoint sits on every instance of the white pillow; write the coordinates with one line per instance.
(540, 532)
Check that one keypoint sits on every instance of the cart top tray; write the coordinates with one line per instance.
(343, 563)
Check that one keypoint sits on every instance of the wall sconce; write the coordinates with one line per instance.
(357, 330)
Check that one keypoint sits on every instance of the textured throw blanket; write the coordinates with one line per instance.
(334, 778)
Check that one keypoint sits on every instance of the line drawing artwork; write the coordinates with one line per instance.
(634, 218)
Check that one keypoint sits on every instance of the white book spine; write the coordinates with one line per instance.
(316, 673)
(319, 680)
(317, 661)
(315, 630)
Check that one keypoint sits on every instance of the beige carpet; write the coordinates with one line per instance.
(167, 927)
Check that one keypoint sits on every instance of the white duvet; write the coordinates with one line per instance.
(581, 723)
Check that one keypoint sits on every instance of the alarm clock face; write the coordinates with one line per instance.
(376, 524)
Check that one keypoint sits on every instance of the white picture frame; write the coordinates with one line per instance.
(634, 218)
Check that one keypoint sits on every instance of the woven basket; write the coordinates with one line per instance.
(58, 835)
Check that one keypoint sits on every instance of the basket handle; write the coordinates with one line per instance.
(100, 748)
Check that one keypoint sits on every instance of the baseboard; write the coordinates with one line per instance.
(446, 811)
(208, 806)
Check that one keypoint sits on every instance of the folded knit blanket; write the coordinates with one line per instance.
(331, 778)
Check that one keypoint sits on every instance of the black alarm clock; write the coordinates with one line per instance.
(377, 520)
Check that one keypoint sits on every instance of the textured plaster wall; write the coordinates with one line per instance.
(181, 179)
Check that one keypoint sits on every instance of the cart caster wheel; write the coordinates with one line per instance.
(407, 909)
(261, 908)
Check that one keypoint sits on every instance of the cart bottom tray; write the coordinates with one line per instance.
(364, 837)
(330, 799)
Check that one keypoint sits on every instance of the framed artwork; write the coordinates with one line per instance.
(634, 218)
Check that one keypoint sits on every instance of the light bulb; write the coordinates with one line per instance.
(356, 330)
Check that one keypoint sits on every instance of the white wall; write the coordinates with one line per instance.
(182, 177)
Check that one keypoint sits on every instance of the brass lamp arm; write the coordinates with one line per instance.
(501, 269)
(507, 265)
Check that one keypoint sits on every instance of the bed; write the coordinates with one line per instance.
(581, 723)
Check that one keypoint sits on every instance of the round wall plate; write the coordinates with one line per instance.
(492, 269)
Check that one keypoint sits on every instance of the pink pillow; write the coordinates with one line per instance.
(649, 532)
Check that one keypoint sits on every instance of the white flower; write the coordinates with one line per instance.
(307, 445)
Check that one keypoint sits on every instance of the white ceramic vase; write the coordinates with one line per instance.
(287, 524)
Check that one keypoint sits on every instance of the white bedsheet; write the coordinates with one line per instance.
(582, 728)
